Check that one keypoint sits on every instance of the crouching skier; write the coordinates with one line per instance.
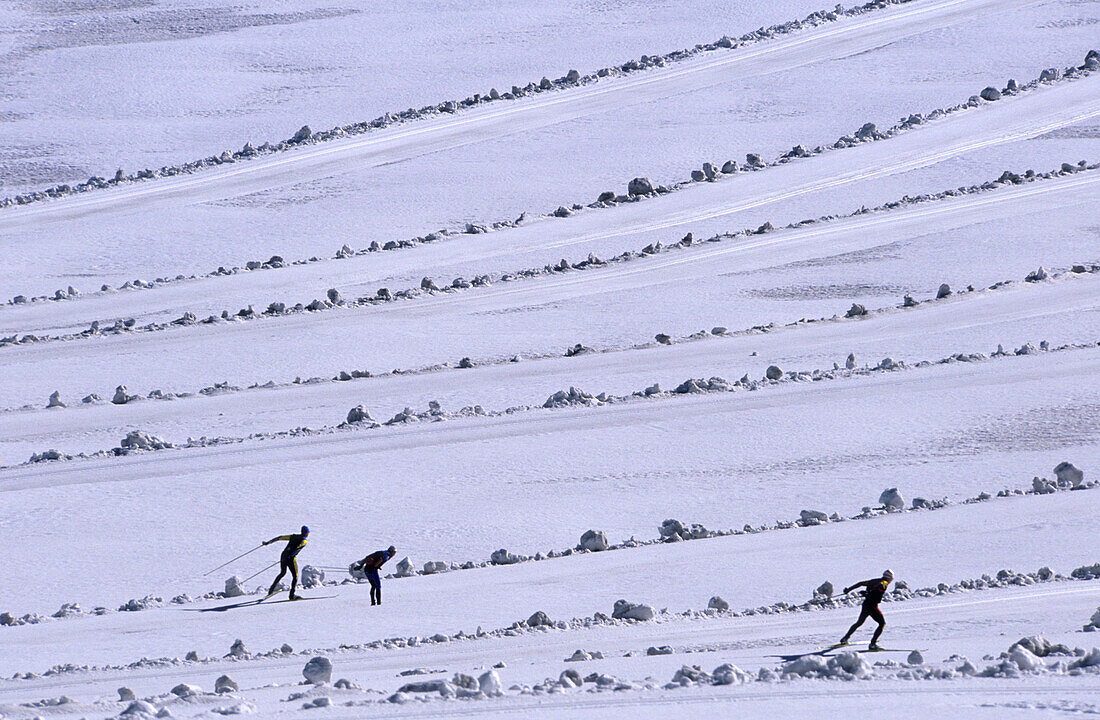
(289, 559)
(370, 566)
(872, 596)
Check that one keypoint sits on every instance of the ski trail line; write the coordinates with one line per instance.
(863, 33)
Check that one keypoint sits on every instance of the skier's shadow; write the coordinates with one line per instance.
(223, 608)
(789, 658)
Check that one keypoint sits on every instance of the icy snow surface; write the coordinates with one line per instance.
(449, 326)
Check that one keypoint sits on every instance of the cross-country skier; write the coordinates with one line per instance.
(289, 559)
(370, 566)
(872, 596)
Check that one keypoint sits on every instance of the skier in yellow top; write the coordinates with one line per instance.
(875, 588)
(288, 560)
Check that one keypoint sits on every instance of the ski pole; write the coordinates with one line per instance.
(232, 561)
(262, 571)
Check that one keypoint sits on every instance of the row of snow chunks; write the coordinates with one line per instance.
(672, 530)
(359, 416)
(540, 622)
(305, 134)
(637, 186)
(869, 133)
(1022, 657)
(853, 666)
(427, 285)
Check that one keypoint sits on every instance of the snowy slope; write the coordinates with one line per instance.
(878, 349)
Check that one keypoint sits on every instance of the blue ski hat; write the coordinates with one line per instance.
(305, 530)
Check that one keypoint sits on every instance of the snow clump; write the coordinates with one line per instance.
(184, 690)
(503, 557)
(573, 396)
(539, 618)
(318, 670)
(139, 709)
(233, 587)
(489, 684)
(891, 499)
(225, 684)
(137, 440)
(122, 396)
(1094, 622)
(594, 540)
(632, 611)
(584, 656)
(149, 601)
(1068, 474)
(846, 665)
(359, 414)
(312, 576)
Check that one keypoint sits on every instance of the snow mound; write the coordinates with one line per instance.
(318, 670)
(813, 517)
(139, 709)
(625, 610)
(404, 568)
(1068, 474)
(149, 601)
(122, 396)
(891, 499)
(359, 414)
(846, 666)
(489, 684)
(539, 618)
(137, 440)
(225, 684)
(233, 587)
(312, 576)
(47, 455)
(584, 656)
(727, 674)
(571, 397)
(594, 540)
(714, 384)
(503, 557)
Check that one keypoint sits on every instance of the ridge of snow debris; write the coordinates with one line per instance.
(558, 400)
(428, 287)
(306, 136)
(670, 530)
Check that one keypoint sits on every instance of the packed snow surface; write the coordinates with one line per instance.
(641, 331)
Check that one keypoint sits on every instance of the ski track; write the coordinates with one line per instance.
(1019, 371)
(963, 322)
(73, 369)
(846, 38)
(167, 303)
